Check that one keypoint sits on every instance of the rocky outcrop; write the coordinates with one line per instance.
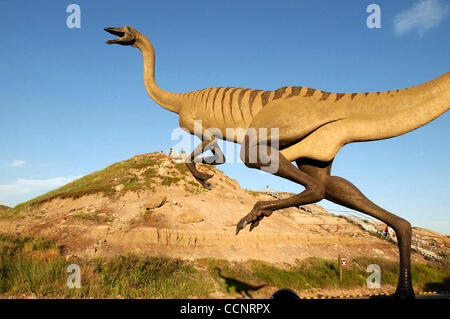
(155, 202)
(190, 218)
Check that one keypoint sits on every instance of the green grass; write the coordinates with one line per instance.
(193, 187)
(149, 174)
(24, 270)
(36, 266)
(131, 184)
(182, 168)
(306, 274)
(169, 180)
(155, 277)
(22, 273)
(321, 273)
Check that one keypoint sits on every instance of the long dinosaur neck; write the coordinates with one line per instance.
(169, 101)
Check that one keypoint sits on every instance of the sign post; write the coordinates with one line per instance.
(343, 262)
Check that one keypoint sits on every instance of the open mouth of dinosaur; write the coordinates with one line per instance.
(123, 37)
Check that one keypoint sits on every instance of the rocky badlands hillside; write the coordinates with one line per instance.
(153, 206)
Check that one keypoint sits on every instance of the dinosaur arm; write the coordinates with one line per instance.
(207, 145)
(192, 159)
(217, 158)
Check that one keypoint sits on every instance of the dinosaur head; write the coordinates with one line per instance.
(126, 35)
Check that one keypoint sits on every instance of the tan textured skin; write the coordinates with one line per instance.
(313, 126)
(328, 123)
(320, 122)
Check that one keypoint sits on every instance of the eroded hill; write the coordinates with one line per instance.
(153, 206)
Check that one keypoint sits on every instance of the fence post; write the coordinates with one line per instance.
(340, 268)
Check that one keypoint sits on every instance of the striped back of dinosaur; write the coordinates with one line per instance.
(230, 107)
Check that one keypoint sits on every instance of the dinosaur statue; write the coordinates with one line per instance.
(313, 125)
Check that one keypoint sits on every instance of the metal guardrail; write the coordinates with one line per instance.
(420, 246)
(275, 194)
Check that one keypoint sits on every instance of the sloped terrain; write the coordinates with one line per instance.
(152, 206)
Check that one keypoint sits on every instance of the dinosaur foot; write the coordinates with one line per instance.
(254, 217)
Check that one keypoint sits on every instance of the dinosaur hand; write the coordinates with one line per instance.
(253, 218)
(202, 176)
(204, 183)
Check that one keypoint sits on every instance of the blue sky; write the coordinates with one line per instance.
(72, 104)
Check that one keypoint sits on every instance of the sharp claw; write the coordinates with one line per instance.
(241, 225)
(254, 217)
(253, 225)
(256, 223)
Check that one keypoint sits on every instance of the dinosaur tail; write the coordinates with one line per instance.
(375, 116)
(398, 112)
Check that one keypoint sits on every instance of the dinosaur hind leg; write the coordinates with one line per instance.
(314, 188)
(342, 192)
